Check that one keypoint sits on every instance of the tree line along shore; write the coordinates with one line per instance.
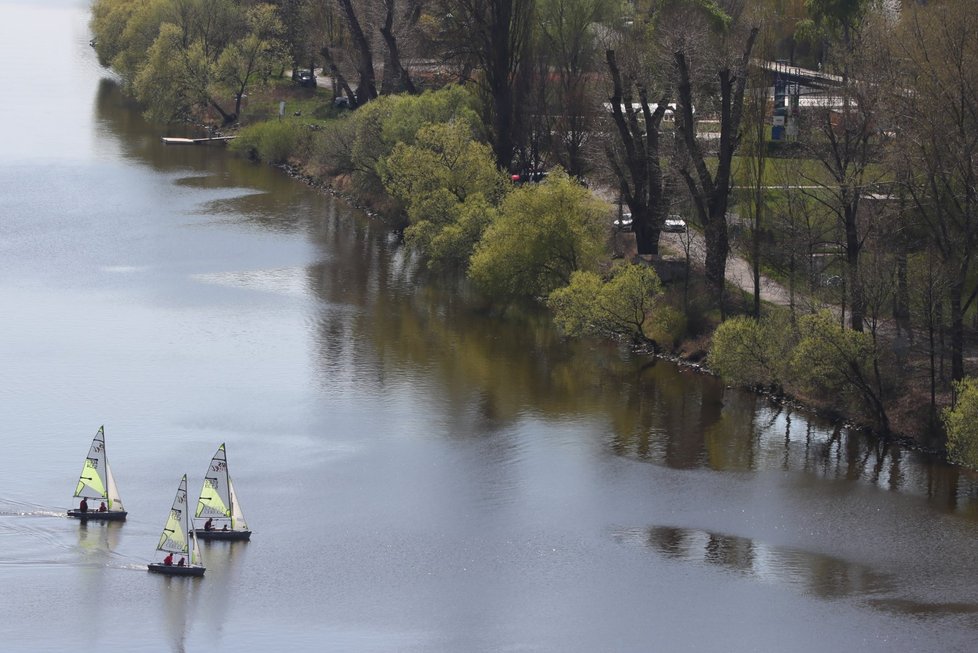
(831, 145)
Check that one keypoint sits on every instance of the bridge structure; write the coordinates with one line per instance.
(788, 82)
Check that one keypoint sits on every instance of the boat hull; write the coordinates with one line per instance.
(226, 536)
(174, 570)
(95, 515)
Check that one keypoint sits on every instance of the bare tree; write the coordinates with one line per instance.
(937, 100)
(495, 35)
(635, 155)
(710, 190)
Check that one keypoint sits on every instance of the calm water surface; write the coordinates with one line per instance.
(419, 476)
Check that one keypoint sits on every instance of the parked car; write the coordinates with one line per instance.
(305, 78)
(674, 224)
(624, 222)
(532, 176)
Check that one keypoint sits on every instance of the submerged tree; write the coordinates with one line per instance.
(620, 306)
(541, 236)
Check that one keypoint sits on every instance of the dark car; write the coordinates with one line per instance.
(305, 78)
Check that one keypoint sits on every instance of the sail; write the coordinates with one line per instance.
(215, 495)
(174, 536)
(238, 522)
(195, 550)
(113, 500)
(93, 480)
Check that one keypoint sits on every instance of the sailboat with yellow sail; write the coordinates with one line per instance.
(178, 540)
(97, 483)
(218, 515)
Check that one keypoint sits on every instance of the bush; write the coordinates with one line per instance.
(274, 141)
(668, 326)
(961, 423)
(752, 352)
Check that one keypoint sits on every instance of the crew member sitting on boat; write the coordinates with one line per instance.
(209, 524)
(181, 562)
(168, 560)
(225, 527)
(102, 507)
(83, 506)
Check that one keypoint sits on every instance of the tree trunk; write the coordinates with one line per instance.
(639, 174)
(367, 88)
(396, 77)
(957, 331)
(338, 78)
(711, 191)
(856, 303)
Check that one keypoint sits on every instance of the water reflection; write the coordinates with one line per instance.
(820, 575)
(99, 539)
(224, 562)
(180, 596)
(825, 577)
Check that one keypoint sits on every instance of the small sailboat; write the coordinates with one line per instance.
(97, 483)
(178, 540)
(218, 515)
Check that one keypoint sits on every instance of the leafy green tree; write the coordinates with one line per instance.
(253, 57)
(750, 352)
(542, 235)
(961, 423)
(380, 125)
(449, 186)
(621, 306)
(184, 56)
(832, 361)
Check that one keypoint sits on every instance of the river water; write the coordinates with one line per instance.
(420, 476)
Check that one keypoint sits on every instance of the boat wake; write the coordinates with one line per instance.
(13, 508)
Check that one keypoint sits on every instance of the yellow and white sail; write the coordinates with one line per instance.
(96, 480)
(217, 497)
(174, 536)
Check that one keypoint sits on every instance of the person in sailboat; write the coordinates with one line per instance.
(225, 527)
(181, 562)
(83, 506)
(102, 507)
(168, 560)
(209, 524)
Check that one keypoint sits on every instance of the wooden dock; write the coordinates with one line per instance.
(170, 140)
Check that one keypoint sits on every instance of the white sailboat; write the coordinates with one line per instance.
(178, 540)
(97, 483)
(218, 515)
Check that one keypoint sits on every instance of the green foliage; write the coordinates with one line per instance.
(543, 233)
(827, 355)
(449, 186)
(621, 306)
(185, 56)
(669, 326)
(272, 141)
(961, 424)
(389, 120)
(752, 352)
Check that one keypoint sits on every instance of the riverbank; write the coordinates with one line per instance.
(340, 157)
